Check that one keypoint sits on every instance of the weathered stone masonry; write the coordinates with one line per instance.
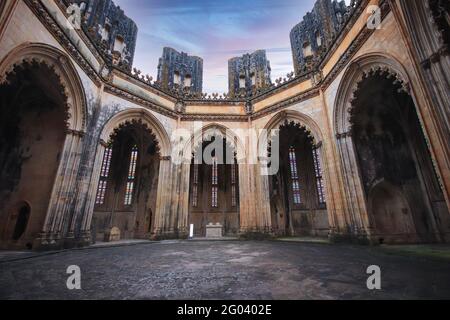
(92, 99)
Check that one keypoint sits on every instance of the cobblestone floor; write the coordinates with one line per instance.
(226, 270)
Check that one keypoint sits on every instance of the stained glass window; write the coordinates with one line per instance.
(233, 186)
(104, 174)
(215, 184)
(294, 176)
(319, 178)
(195, 187)
(131, 177)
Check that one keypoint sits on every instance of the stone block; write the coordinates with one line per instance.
(112, 235)
(214, 230)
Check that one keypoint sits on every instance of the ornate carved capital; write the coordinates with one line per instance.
(75, 133)
(180, 106)
(249, 107)
(344, 135)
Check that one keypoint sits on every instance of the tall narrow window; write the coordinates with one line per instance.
(195, 187)
(294, 176)
(131, 177)
(241, 81)
(119, 44)
(188, 81)
(176, 78)
(307, 50)
(318, 39)
(215, 184)
(104, 174)
(319, 178)
(233, 186)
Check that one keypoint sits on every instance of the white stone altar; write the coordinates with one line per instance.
(214, 230)
(112, 235)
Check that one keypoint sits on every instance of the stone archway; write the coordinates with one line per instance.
(214, 185)
(42, 92)
(297, 190)
(380, 137)
(133, 131)
(196, 202)
(147, 119)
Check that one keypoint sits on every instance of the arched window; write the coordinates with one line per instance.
(318, 39)
(253, 78)
(295, 181)
(106, 31)
(119, 44)
(104, 174)
(215, 184)
(176, 78)
(319, 178)
(307, 50)
(195, 187)
(131, 177)
(241, 81)
(187, 81)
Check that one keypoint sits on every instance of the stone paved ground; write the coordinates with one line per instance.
(226, 270)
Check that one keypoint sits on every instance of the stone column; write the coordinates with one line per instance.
(91, 194)
(333, 221)
(161, 228)
(176, 224)
(181, 200)
(357, 217)
(62, 194)
(420, 23)
(254, 200)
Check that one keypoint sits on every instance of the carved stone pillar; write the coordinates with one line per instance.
(426, 32)
(176, 223)
(161, 228)
(254, 200)
(62, 194)
(91, 194)
(333, 216)
(357, 219)
(180, 201)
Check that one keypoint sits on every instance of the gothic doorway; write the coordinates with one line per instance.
(297, 192)
(33, 115)
(127, 190)
(214, 187)
(403, 193)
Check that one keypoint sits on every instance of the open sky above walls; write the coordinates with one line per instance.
(215, 30)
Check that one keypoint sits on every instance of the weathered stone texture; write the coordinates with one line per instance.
(102, 100)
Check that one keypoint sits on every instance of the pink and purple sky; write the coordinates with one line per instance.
(215, 30)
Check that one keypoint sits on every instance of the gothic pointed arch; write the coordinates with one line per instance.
(381, 137)
(134, 147)
(142, 116)
(214, 187)
(43, 97)
(62, 66)
(358, 70)
(296, 117)
(210, 130)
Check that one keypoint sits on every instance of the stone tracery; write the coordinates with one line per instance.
(365, 133)
(307, 99)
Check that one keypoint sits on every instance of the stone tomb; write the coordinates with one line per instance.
(112, 235)
(214, 230)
